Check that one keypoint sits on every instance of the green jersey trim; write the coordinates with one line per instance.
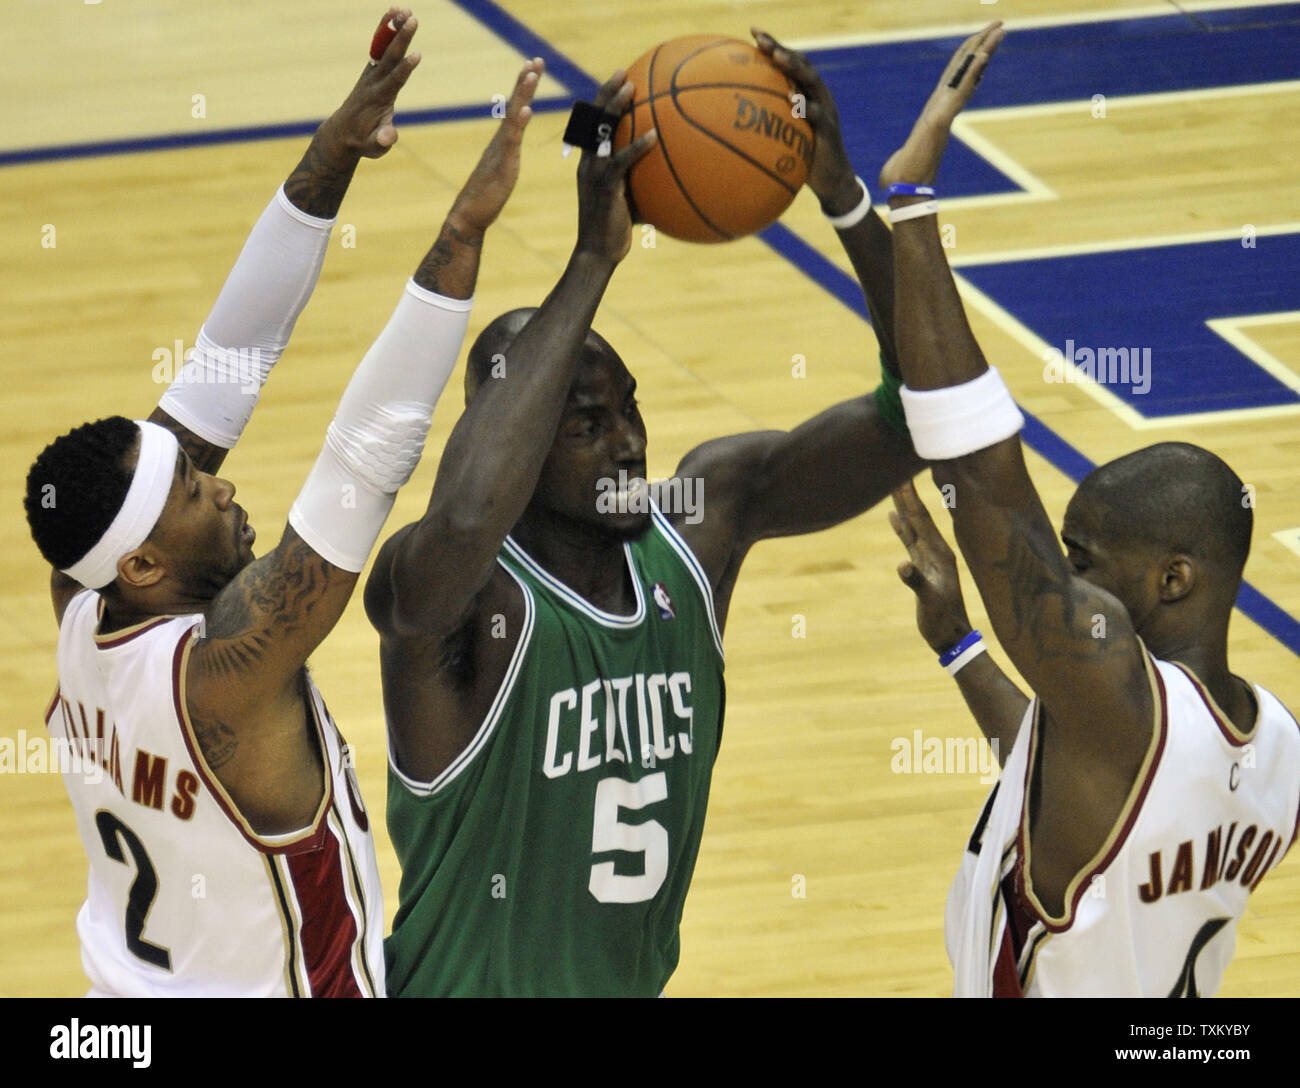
(696, 572)
(605, 619)
(493, 716)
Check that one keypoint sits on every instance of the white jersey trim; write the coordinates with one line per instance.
(274, 844)
(696, 571)
(605, 619)
(493, 716)
(1124, 821)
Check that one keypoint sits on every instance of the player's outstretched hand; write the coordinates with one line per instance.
(493, 179)
(831, 175)
(930, 572)
(604, 218)
(917, 161)
(364, 123)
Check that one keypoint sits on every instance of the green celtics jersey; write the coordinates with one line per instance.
(553, 856)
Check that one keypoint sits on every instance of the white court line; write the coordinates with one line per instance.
(1032, 187)
(1154, 98)
(1030, 22)
(1289, 538)
(1042, 350)
(1230, 328)
(1035, 253)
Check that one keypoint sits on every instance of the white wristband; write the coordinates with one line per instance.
(956, 420)
(853, 218)
(913, 211)
(965, 658)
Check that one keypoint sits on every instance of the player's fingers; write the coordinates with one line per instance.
(624, 160)
(911, 577)
(406, 25)
(911, 504)
(525, 88)
(400, 73)
(902, 529)
(972, 57)
(793, 63)
(609, 89)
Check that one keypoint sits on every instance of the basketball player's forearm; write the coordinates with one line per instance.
(321, 179)
(869, 246)
(999, 521)
(494, 456)
(935, 343)
(451, 266)
(996, 704)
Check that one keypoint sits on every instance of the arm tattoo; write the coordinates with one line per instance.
(430, 274)
(269, 600)
(1028, 568)
(318, 185)
(217, 741)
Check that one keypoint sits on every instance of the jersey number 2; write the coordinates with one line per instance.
(648, 838)
(143, 888)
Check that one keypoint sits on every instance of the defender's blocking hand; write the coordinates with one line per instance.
(917, 161)
(930, 572)
(493, 179)
(364, 123)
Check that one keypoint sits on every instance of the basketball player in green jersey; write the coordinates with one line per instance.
(551, 648)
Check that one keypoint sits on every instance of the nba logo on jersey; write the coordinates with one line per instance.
(663, 602)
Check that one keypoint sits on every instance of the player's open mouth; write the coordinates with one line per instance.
(247, 534)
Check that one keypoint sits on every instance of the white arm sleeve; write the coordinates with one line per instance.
(249, 327)
(377, 435)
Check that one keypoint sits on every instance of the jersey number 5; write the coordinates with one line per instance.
(648, 838)
(143, 888)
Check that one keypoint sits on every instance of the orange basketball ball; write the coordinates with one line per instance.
(732, 152)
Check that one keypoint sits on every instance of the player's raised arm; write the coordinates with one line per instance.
(427, 575)
(213, 397)
(848, 458)
(261, 628)
(1071, 640)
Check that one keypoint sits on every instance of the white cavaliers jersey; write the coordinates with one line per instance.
(184, 898)
(1155, 913)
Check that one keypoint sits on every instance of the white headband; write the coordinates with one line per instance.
(144, 503)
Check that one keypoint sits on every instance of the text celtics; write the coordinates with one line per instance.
(615, 720)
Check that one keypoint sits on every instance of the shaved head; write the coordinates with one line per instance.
(1175, 498)
(487, 355)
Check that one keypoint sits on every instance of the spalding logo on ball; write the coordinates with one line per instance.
(733, 149)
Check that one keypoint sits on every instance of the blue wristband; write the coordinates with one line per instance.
(949, 656)
(903, 188)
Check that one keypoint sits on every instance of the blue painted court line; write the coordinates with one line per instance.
(247, 134)
(515, 34)
(1092, 301)
(1037, 435)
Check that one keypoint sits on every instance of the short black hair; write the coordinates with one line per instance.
(76, 487)
(1177, 497)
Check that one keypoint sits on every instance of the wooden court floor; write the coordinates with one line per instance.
(825, 668)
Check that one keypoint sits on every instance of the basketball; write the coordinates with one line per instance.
(732, 152)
